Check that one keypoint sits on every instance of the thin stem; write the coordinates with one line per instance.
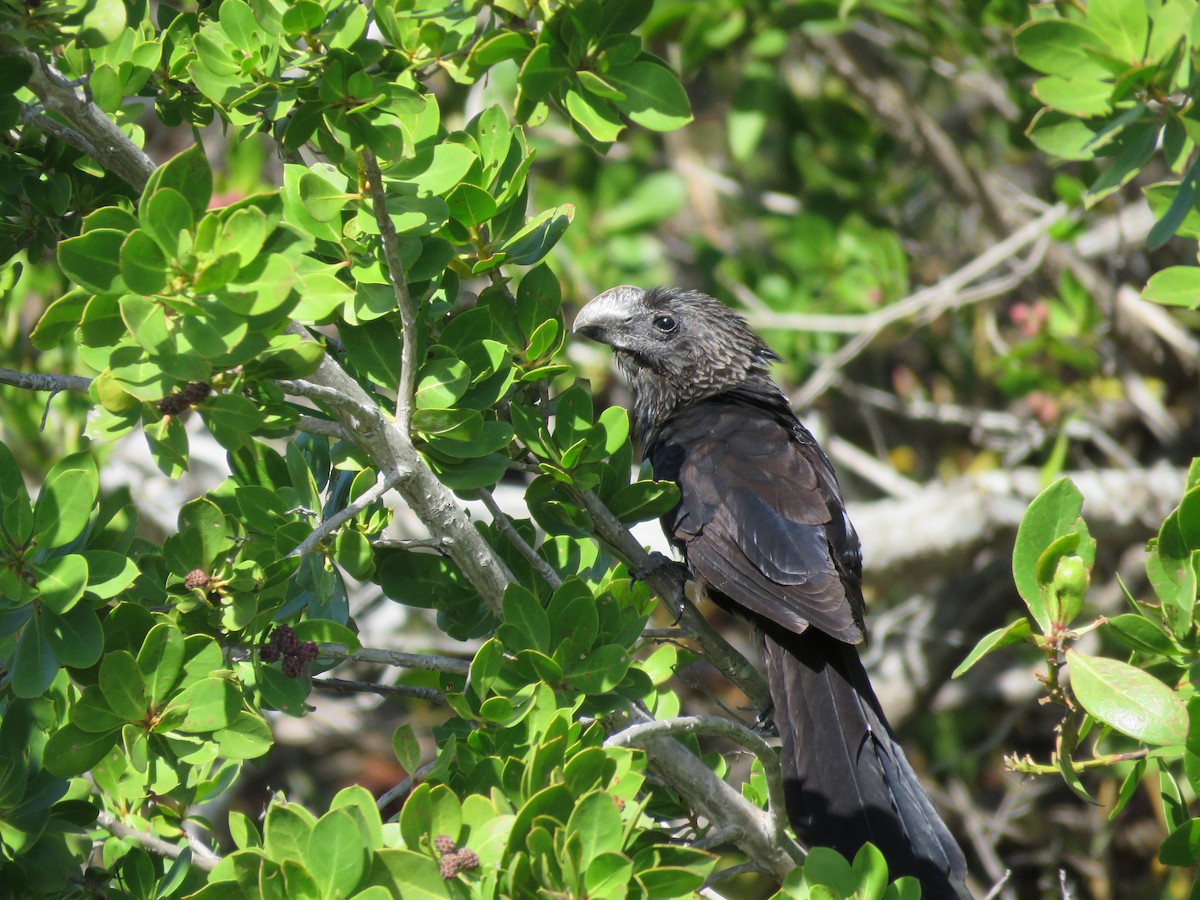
(398, 658)
(1027, 766)
(206, 861)
(404, 301)
(346, 686)
(342, 516)
(405, 786)
(504, 524)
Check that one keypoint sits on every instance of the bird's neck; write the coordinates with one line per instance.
(657, 397)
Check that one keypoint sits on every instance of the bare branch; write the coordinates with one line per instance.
(393, 449)
(751, 828)
(35, 382)
(501, 521)
(314, 425)
(403, 788)
(636, 735)
(398, 658)
(346, 686)
(668, 586)
(206, 861)
(102, 139)
(384, 484)
(404, 302)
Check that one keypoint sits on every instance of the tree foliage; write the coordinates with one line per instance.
(348, 273)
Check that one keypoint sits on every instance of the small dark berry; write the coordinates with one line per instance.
(448, 866)
(293, 666)
(287, 639)
(197, 578)
(307, 651)
(268, 653)
(467, 859)
(444, 844)
(196, 392)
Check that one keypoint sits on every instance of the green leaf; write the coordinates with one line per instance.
(654, 98)
(323, 201)
(1174, 286)
(336, 856)
(1013, 633)
(471, 205)
(72, 751)
(34, 663)
(66, 500)
(210, 704)
(189, 174)
(1082, 97)
(123, 686)
(61, 581)
(601, 670)
(160, 660)
(643, 500)
(165, 216)
(525, 616)
(109, 573)
(1182, 204)
(1060, 47)
(76, 638)
(406, 748)
(537, 238)
(1052, 514)
(1130, 700)
(287, 831)
(597, 116)
(143, 266)
(597, 821)
(1123, 25)
(93, 260)
(352, 551)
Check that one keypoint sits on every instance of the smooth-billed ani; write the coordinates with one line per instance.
(764, 534)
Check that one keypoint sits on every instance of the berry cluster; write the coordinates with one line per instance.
(197, 578)
(453, 859)
(284, 645)
(196, 392)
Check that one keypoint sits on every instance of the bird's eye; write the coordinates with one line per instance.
(665, 324)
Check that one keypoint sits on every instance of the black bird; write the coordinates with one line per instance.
(764, 533)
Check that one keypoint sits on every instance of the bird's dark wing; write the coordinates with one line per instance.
(760, 519)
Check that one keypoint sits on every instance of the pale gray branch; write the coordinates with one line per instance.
(346, 686)
(106, 820)
(398, 658)
(404, 301)
(37, 382)
(104, 141)
(501, 521)
(384, 484)
(640, 733)
(668, 585)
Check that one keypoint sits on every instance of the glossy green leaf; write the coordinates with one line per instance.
(1130, 700)
(61, 581)
(93, 260)
(653, 96)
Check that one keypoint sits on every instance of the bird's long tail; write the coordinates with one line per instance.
(846, 778)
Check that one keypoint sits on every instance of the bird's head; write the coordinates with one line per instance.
(676, 347)
(680, 335)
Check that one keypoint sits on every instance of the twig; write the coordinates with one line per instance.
(432, 543)
(869, 468)
(346, 686)
(398, 658)
(384, 484)
(314, 425)
(504, 524)
(107, 144)
(34, 382)
(669, 588)
(404, 302)
(153, 843)
(636, 735)
(404, 786)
